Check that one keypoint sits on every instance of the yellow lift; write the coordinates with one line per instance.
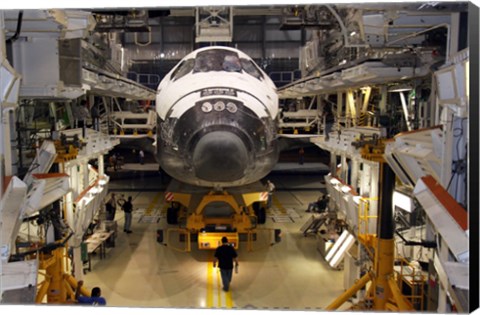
(57, 285)
(206, 215)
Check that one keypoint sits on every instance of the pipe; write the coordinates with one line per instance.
(405, 110)
(344, 30)
(423, 243)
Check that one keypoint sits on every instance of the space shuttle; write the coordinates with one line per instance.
(217, 119)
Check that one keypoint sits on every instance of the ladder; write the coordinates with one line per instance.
(313, 224)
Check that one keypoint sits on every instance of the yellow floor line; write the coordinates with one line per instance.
(209, 285)
(164, 208)
(279, 206)
(219, 290)
(228, 296)
(152, 204)
(217, 300)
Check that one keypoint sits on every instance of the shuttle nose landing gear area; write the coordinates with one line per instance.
(205, 216)
(220, 156)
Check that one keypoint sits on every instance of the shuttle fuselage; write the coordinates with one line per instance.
(217, 113)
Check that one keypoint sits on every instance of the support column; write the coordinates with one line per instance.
(374, 187)
(2, 157)
(3, 53)
(344, 169)
(7, 128)
(339, 105)
(56, 290)
(333, 164)
(101, 166)
(321, 116)
(383, 100)
(354, 173)
(85, 179)
(384, 256)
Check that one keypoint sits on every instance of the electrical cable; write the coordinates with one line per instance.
(18, 29)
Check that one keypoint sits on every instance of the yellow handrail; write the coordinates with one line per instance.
(364, 217)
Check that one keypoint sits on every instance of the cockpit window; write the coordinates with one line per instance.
(217, 60)
(185, 67)
(231, 63)
(225, 60)
(251, 68)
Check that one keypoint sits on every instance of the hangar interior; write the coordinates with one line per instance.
(376, 96)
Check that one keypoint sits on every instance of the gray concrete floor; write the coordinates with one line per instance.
(291, 275)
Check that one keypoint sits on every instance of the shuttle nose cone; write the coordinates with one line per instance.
(220, 156)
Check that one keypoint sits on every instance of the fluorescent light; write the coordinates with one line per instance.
(400, 88)
(335, 246)
(356, 199)
(334, 181)
(402, 201)
(340, 254)
(346, 189)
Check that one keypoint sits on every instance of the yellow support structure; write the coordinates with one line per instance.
(364, 236)
(191, 208)
(208, 240)
(349, 293)
(383, 270)
(402, 303)
(384, 292)
(57, 286)
(250, 198)
(42, 290)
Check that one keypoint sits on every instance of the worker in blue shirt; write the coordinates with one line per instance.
(94, 299)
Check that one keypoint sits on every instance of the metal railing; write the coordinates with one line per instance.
(364, 217)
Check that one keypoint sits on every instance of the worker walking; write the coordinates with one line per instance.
(82, 114)
(127, 208)
(301, 156)
(113, 161)
(95, 114)
(225, 255)
(270, 189)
